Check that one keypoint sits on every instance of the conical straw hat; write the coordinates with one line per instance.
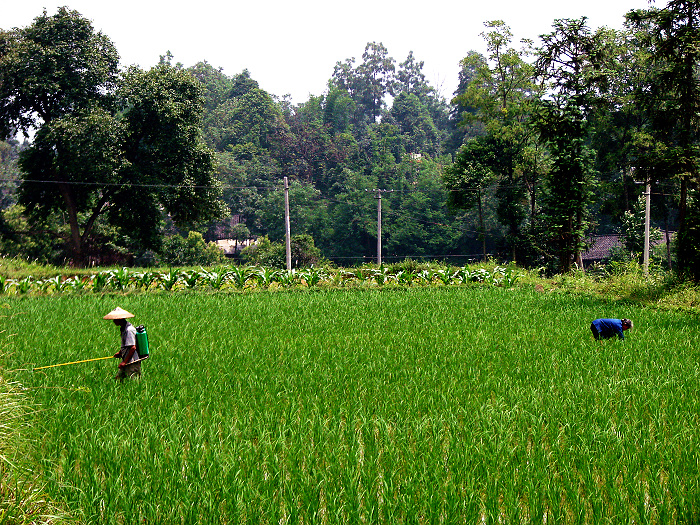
(118, 313)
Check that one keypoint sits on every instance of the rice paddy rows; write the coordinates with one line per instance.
(417, 405)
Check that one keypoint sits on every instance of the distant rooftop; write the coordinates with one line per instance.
(602, 244)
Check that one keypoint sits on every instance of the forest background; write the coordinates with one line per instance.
(543, 145)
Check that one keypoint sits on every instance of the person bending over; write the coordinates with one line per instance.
(607, 328)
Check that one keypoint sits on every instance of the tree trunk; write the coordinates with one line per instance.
(577, 241)
(483, 229)
(683, 262)
(76, 241)
(668, 241)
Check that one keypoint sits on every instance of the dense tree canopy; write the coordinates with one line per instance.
(540, 148)
(108, 145)
(670, 95)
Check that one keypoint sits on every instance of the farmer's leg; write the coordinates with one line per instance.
(133, 370)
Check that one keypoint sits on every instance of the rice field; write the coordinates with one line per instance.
(453, 404)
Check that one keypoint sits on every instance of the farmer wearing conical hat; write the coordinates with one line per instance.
(130, 365)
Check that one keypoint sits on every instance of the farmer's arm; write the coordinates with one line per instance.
(128, 354)
(620, 331)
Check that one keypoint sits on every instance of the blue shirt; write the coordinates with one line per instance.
(608, 328)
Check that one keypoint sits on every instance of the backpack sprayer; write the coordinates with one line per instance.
(142, 342)
(141, 350)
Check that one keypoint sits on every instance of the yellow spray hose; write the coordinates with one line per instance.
(75, 362)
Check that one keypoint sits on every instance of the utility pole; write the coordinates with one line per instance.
(287, 235)
(379, 222)
(647, 215)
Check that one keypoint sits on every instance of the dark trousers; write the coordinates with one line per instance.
(130, 370)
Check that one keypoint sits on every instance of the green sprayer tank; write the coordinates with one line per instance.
(142, 342)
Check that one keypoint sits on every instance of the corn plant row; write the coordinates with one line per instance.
(253, 277)
(476, 404)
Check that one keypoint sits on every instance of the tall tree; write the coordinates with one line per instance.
(54, 67)
(571, 63)
(369, 83)
(377, 71)
(502, 95)
(99, 134)
(462, 126)
(410, 80)
(467, 179)
(672, 97)
(217, 86)
(419, 133)
(621, 137)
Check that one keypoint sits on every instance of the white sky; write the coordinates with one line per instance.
(291, 47)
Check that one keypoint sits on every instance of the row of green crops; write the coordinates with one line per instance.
(22, 500)
(463, 404)
(252, 277)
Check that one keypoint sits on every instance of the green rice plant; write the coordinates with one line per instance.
(239, 275)
(99, 281)
(216, 277)
(476, 404)
(191, 278)
(22, 500)
(144, 279)
(265, 276)
(120, 278)
(168, 281)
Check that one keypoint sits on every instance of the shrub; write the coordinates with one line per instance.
(194, 250)
(147, 259)
(265, 253)
(305, 254)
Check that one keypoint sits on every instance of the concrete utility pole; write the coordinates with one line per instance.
(647, 215)
(379, 222)
(287, 235)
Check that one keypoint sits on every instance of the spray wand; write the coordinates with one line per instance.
(73, 362)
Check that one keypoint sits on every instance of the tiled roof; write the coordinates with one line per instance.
(602, 244)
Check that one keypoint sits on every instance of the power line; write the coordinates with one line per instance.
(140, 185)
(222, 185)
(395, 214)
